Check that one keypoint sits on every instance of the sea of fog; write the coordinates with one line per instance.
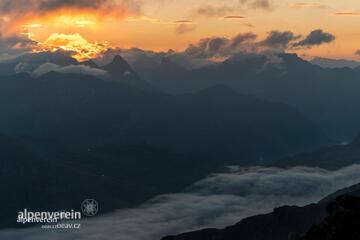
(219, 200)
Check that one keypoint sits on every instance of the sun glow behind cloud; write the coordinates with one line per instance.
(60, 39)
(80, 48)
(56, 25)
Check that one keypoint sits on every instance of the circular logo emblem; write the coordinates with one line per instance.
(89, 207)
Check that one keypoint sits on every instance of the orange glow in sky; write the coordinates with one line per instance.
(161, 25)
(74, 43)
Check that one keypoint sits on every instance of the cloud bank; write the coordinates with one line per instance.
(214, 11)
(15, 44)
(207, 49)
(76, 69)
(204, 52)
(28, 62)
(315, 38)
(279, 40)
(216, 201)
(220, 46)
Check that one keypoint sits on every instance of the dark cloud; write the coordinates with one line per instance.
(264, 4)
(316, 37)
(234, 17)
(279, 40)
(216, 201)
(214, 45)
(207, 47)
(257, 4)
(214, 11)
(222, 10)
(185, 28)
(22, 8)
(357, 52)
(220, 47)
(246, 42)
(56, 4)
(242, 38)
(15, 44)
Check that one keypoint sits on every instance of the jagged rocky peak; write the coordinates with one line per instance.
(118, 66)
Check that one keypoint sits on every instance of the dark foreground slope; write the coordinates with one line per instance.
(116, 176)
(285, 223)
(341, 221)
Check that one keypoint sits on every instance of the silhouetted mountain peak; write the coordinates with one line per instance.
(118, 66)
(120, 70)
(118, 59)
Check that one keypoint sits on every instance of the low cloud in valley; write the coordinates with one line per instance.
(216, 201)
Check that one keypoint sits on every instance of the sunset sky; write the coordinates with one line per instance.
(169, 24)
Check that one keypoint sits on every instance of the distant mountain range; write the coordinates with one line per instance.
(290, 222)
(327, 96)
(334, 63)
(80, 108)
